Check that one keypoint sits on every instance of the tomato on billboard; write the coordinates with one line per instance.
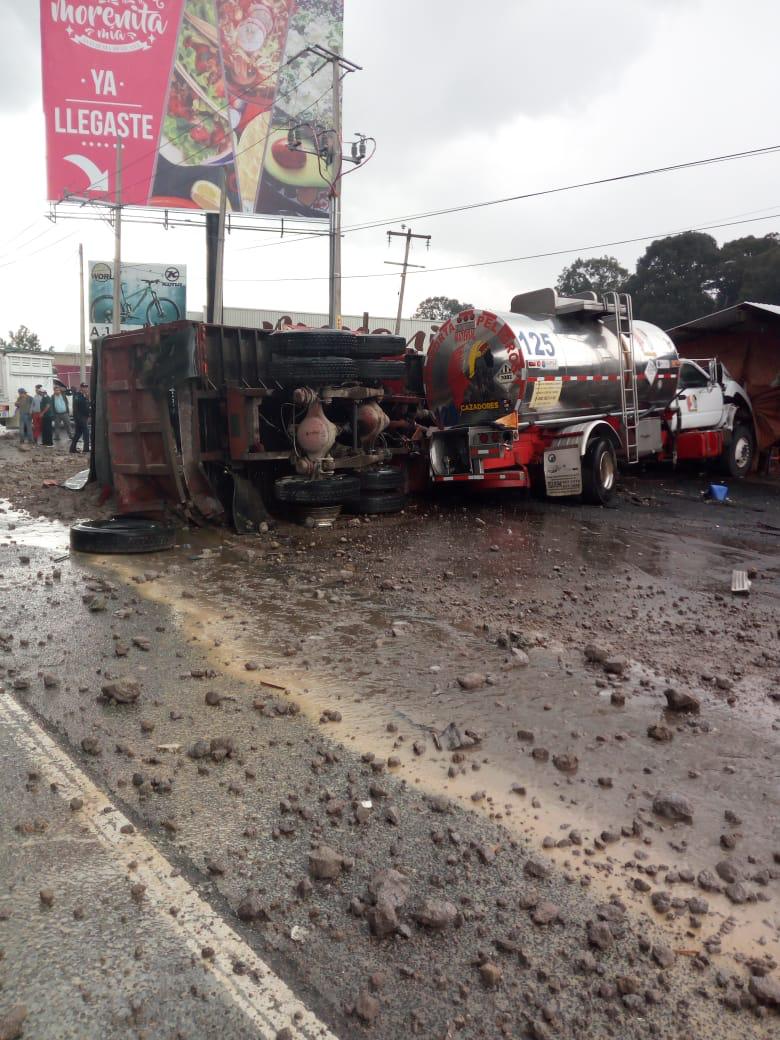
(200, 93)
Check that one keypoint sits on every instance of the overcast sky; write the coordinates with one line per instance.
(468, 102)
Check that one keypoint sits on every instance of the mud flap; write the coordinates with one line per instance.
(249, 510)
(563, 471)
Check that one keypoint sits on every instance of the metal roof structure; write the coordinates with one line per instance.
(726, 318)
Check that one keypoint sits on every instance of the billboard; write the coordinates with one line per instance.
(150, 294)
(200, 93)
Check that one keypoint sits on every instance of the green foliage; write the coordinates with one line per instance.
(22, 339)
(599, 274)
(674, 281)
(749, 269)
(683, 277)
(439, 308)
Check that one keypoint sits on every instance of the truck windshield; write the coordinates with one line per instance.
(692, 376)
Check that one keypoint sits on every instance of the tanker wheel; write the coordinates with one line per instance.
(320, 491)
(332, 343)
(312, 371)
(737, 457)
(599, 472)
(383, 478)
(373, 503)
(381, 371)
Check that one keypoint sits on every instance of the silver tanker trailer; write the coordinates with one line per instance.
(553, 394)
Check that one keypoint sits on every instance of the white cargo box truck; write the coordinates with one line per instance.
(21, 369)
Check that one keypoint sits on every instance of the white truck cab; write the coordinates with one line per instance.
(708, 398)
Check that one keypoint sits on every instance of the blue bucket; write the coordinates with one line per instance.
(719, 492)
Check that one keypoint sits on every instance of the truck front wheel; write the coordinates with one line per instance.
(599, 472)
(737, 457)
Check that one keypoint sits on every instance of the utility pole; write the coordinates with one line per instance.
(332, 154)
(83, 328)
(116, 309)
(407, 234)
(334, 303)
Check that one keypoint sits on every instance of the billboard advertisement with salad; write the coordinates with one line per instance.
(200, 93)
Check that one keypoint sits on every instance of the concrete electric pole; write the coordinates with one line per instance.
(407, 234)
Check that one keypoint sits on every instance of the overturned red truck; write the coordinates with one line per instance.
(553, 396)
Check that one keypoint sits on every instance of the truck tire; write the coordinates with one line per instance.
(737, 457)
(381, 371)
(372, 503)
(383, 478)
(122, 534)
(312, 371)
(331, 343)
(599, 472)
(320, 491)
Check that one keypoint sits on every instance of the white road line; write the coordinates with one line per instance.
(260, 994)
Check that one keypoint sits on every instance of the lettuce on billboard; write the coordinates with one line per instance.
(150, 294)
(200, 93)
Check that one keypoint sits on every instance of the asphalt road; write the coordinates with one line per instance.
(488, 931)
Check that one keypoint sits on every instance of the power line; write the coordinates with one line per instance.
(769, 149)
(518, 259)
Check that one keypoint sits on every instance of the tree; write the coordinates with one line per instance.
(761, 279)
(676, 279)
(745, 270)
(599, 274)
(439, 308)
(22, 339)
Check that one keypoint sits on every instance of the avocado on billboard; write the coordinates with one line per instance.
(150, 294)
(200, 94)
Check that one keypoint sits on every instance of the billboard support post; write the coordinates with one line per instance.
(83, 326)
(220, 260)
(116, 310)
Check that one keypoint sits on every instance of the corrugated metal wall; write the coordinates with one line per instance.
(253, 319)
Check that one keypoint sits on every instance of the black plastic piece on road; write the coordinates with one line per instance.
(332, 343)
(321, 491)
(384, 478)
(122, 534)
(312, 371)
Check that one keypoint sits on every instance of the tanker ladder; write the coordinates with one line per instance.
(629, 398)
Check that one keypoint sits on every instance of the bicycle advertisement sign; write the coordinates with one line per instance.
(200, 93)
(150, 294)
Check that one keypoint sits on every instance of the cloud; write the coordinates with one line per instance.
(20, 67)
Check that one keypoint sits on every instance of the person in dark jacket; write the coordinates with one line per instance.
(47, 420)
(82, 409)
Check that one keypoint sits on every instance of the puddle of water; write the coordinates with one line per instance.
(20, 528)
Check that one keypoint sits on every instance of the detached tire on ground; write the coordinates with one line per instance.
(312, 371)
(321, 491)
(372, 503)
(384, 478)
(122, 535)
(737, 458)
(331, 343)
(599, 472)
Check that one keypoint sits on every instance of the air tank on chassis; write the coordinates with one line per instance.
(550, 360)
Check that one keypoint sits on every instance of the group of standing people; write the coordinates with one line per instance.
(43, 416)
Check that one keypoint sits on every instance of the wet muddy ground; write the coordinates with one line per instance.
(548, 635)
